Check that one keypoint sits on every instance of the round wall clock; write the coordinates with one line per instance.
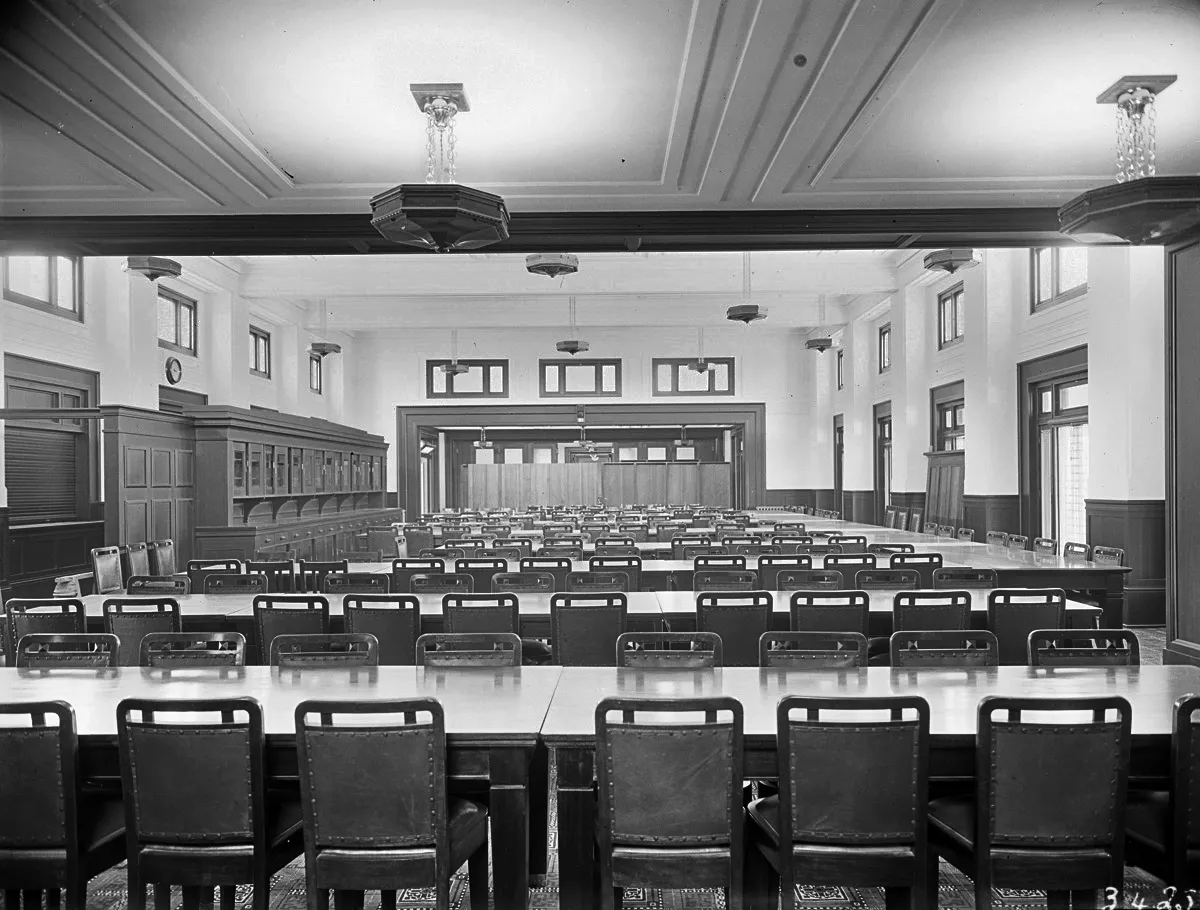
(174, 370)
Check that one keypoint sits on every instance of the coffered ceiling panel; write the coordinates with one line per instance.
(125, 107)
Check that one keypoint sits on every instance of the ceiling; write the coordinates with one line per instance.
(248, 107)
(800, 290)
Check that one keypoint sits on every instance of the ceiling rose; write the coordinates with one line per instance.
(440, 215)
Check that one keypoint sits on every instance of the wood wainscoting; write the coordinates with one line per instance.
(997, 512)
(1139, 527)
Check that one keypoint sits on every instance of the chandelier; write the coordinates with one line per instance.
(700, 365)
(572, 345)
(440, 215)
(454, 368)
(1140, 207)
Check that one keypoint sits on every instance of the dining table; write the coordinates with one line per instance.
(953, 696)
(493, 720)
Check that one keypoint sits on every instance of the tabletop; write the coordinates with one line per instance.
(190, 605)
(953, 695)
(493, 704)
(882, 600)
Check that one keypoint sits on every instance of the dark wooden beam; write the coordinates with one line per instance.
(352, 234)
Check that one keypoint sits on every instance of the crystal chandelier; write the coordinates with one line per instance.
(440, 215)
(1136, 139)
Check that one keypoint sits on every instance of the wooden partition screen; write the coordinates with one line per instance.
(670, 482)
(498, 486)
(944, 488)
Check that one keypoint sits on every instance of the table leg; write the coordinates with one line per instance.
(539, 807)
(1113, 602)
(509, 809)
(576, 827)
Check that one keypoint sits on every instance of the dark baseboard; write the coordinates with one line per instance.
(858, 505)
(1181, 652)
(992, 512)
(791, 498)
(824, 499)
(1139, 527)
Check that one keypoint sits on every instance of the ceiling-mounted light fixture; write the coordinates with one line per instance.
(324, 348)
(572, 345)
(482, 442)
(819, 342)
(1140, 207)
(683, 437)
(745, 312)
(153, 267)
(454, 368)
(428, 448)
(552, 265)
(951, 260)
(700, 365)
(440, 215)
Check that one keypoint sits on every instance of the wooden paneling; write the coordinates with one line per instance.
(944, 488)
(516, 486)
(39, 553)
(3, 553)
(1139, 528)
(790, 498)
(998, 512)
(858, 505)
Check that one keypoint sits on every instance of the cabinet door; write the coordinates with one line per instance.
(296, 480)
(310, 471)
(239, 469)
(269, 470)
(281, 470)
(255, 485)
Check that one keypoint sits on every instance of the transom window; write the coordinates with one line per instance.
(1057, 273)
(260, 352)
(315, 377)
(176, 322)
(950, 316)
(885, 347)
(571, 378)
(672, 377)
(951, 427)
(49, 283)
(482, 379)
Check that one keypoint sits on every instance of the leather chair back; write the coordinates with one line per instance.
(339, 583)
(629, 565)
(199, 569)
(135, 560)
(449, 651)
(924, 564)
(654, 651)
(770, 565)
(584, 627)
(248, 585)
(808, 579)
(314, 652)
(830, 611)
(849, 562)
(288, 614)
(724, 580)
(131, 620)
(965, 648)
(79, 650)
(394, 620)
(311, 574)
(29, 615)
(106, 570)
(162, 557)
(158, 586)
(1015, 612)
(1100, 648)
(740, 619)
(180, 650)
(481, 613)
(441, 583)
(523, 582)
(597, 582)
(558, 566)
(812, 650)
(914, 611)
(404, 569)
(964, 577)
(481, 570)
(889, 579)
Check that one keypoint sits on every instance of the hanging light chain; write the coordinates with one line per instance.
(440, 155)
(1136, 135)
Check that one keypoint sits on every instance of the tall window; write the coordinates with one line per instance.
(1057, 273)
(672, 376)
(260, 352)
(839, 459)
(176, 322)
(885, 347)
(49, 283)
(841, 364)
(949, 428)
(950, 316)
(883, 459)
(571, 378)
(315, 378)
(482, 379)
(1062, 440)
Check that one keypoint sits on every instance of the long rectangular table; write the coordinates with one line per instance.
(493, 718)
(953, 697)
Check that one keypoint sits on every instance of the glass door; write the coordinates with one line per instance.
(839, 450)
(1062, 459)
(883, 459)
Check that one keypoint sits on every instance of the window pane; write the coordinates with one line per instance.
(253, 351)
(1071, 480)
(187, 326)
(656, 453)
(470, 381)
(958, 415)
(439, 380)
(960, 442)
(514, 456)
(485, 456)
(627, 453)
(685, 453)
(543, 456)
(608, 378)
(550, 374)
(65, 290)
(496, 382)
(958, 314)
(720, 378)
(662, 380)
(580, 378)
(21, 397)
(166, 320)
(947, 417)
(690, 381)
(1045, 289)
(1072, 269)
(1073, 396)
(1047, 402)
(30, 275)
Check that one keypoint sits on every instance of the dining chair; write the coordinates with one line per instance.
(942, 648)
(669, 796)
(628, 565)
(887, 549)
(1045, 546)
(403, 569)
(482, 612)
(215, 583)
(830, 611)
(441, 583)
(654, 651)
(965, 577)
(1093, 648)
(718, 561)
(790, 529)
(1013, 613)
(470, 544)
(924, 564)
(180, 650)
(417, 539)
(70, 650)
(850, 543)
(739, 618)
(594, 582)
(851, 562)
(617, 550)
(852, 803)
(737, 541)
(319, 652)
(50, 615)
(311, 573)
(615, 540)
(584, 627)
(135, 559)
(901, 521)
(997, 539)
(945, 531)
(221, 828)
(1017, 543)
(889, 516)
(821, 549)
(812, 650)
(200, 569)
(557, 566)
(162, 557)
(929, 610)
(1048, 810)
(809, 580)
(449, 651)
(523, 582)
(106, 570)
(355, 839)
(280, 574)
(693, 551)
(1076, 552)
(288, 614)
(966, 535)
(1113, 556)
(791, 545)
(724, 580)
(770, 565)
(930, 527)
(551, 552)
(355, 583)
(876, 579)
(680, 541)
(55, 836)
(129, 620)
(914, 520)
(1162, 827)
(158, 585)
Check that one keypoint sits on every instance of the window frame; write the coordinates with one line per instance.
(48, 306)
(839, 369)
(485, 364)
(883, 348)
(676, 362)
(180, 301)
(1057, 296)
(950, 298)
(255, 334)
(319, 362)
(560, 364)
(944, 398)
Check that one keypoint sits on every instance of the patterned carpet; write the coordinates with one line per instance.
(955, 890)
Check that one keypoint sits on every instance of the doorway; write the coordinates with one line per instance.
(839, 452)
(883, 459)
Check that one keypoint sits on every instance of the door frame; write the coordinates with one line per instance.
(751, 416)
(882, 411)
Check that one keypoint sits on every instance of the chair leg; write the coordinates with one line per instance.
(53, 899)
(387, 900)
(348, 900)
(191, 899)
(756, 879)
(1083, 900)
(162, 897)
(33, 900)
(1058, 900)
(897, 898)
(477, 877)
(228, 897)
(12, 898)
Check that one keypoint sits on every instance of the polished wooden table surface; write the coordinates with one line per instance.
(953, 697)
(493, 717)
(190, 605)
